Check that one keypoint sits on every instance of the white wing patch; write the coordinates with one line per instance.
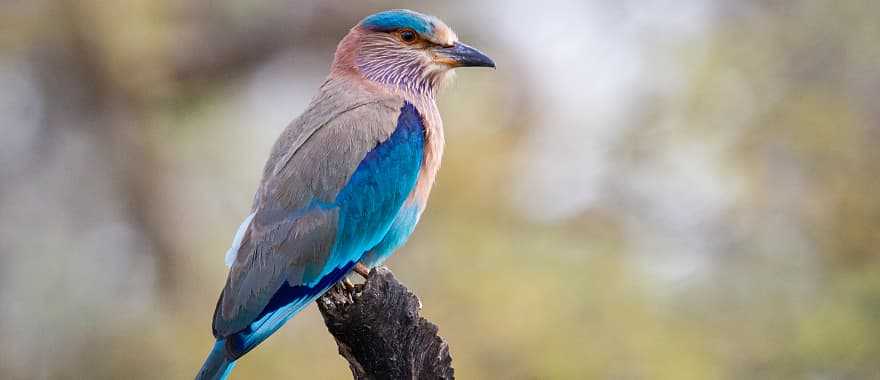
(236, 241)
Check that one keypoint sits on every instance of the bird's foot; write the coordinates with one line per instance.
(362, 270)
(347, 284)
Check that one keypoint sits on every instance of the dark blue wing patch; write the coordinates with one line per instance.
(286, 303)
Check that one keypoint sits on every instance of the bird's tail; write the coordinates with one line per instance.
(218, 365)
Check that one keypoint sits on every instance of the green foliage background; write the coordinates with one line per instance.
(136, 132)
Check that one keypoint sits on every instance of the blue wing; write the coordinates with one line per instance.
(400, 230)
(355, 221)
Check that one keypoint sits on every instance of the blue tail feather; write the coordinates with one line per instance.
(218, 365)
(287, 302)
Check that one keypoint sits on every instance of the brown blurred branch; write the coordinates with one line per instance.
(380, 333)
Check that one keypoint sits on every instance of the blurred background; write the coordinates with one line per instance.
(641, 190)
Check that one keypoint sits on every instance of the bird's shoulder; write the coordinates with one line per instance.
(336, 98)
(316, 154)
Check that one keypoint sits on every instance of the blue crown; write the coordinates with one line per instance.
(399, 19)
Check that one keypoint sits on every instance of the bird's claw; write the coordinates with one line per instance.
(362, 270)
(347, 284)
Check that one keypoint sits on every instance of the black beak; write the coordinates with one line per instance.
(461, 55)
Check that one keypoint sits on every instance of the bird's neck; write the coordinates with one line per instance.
(408, 80)
(426, 106)
(415, 90)
(434, 144)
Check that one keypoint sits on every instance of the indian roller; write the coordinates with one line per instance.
(346, 182)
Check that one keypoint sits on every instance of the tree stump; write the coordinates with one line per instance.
(380, 333)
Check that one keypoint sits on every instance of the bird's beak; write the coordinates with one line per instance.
(461, 55)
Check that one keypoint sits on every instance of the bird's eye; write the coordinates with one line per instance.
(408, 36)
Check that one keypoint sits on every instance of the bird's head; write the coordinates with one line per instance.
(406, 50)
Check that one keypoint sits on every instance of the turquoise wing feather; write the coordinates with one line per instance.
(329, 195)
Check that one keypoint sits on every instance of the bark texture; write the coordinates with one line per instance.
(380, 333)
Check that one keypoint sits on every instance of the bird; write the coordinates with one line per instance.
(345, 183)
